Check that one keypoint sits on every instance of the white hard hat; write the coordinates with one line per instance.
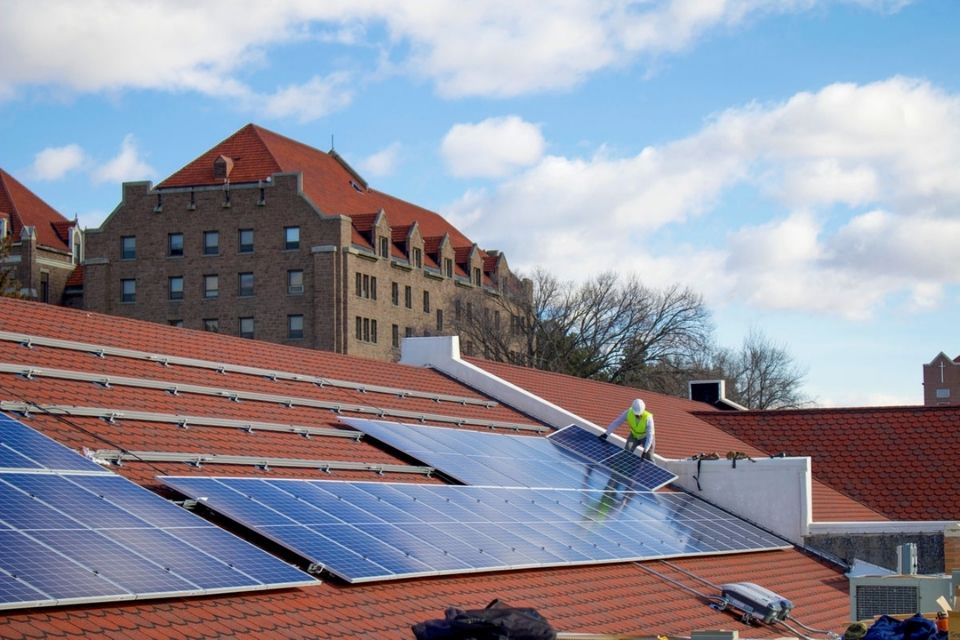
(638, 406)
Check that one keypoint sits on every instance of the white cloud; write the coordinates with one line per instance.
(862, 187)
(491, 47)
(492, 148)
(53, 163)
(126, 165)
(383, 162)
(309, 101)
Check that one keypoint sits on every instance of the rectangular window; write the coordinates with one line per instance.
(246, 327)
(291, 238)
(211, 243)
(418, 258)
(395, 335)
(456, 309)
(395, 293)
(359, 328)
(408, 297)
(477, 276)
(128, 290)
(496, 319)
(373, 331)
(295, 282)
(448, 267)
(426, 302)
(211, 286)
(358, 284)
(384, 247)
(943, 394)
(295, 327)
(365, 293)
(373, 288)
(175, 323)
(174, 244)
(408, 332)
(211, 324)
(128, 247)
(44, 286)
(175, 287)
(245, 241)
(245, 284)
(439, 319)
(366, 329)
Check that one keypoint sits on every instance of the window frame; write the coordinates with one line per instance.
(128, 253)
(292, 289)
(171, 251)
(245, 292)
(208, 249)
(172, 294)
(295, 334)
(288, 244)
(125, 296)
(250, 335)
(208, 293)
(245, 247)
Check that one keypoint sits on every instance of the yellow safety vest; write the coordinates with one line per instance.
(638, 426)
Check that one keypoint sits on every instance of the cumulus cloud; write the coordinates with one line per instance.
(861, 184)
(383, 162)
(126, 165)
(491, 148)
(489, 48)
(53, 163)
(308, 101)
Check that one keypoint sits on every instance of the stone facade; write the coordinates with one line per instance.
(357, 285)
(941, 381)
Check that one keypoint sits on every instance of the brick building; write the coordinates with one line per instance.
(44, 249)
(265, 237)
(941, 381)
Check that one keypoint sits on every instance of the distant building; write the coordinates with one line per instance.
(44, 248)
(941, 381)
(265, 237)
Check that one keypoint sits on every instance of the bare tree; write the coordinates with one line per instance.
(765, 375)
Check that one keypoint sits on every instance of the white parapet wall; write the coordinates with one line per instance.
(774, 493)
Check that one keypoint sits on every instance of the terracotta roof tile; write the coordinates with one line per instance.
(892, 459)
(25, 208)
(76, 277)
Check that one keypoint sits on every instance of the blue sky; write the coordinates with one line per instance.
(796, 161)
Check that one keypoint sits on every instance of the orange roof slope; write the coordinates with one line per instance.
(258, 154)
(609, 598)
(26, 209)
(682, 427)
(900, 461)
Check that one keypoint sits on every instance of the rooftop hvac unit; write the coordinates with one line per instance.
(877, 595)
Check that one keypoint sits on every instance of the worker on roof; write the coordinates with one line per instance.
(640, 422)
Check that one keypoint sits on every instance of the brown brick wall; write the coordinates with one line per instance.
(932, 381)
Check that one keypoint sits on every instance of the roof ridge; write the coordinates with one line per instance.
(876, 408)
(6, 191)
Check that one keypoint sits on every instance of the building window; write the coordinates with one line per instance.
(418, 258)
(395, 335)
(373, 287)
(128, 247)
(291, 238)
(395, 294)
(245, 241)
(366, 286)
(245, 284)
(439, 319)
(469, 311)
(175, 323)
(358, 328)
(384, 247)
(174, 244)
(943, 394)
(295, 327)
(44, 286)
(211, 286)
(408, 297)
(448, 267)
(211, 324)
(496, 319)
(408, 332)
(246, 327)
(128, 290)
(295, 282)
(477, 276)
(456, 309)
(426, 302)
(366, 329)
(175, 287)
(373, 331)
(211, 243)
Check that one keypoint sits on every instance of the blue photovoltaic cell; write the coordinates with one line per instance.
(388, 530)
(570, 458)
(72, 532)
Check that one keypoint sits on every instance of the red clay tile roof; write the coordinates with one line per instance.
(490, 263)
(26, 209)
(899, 461)
(431, 244)
(259, 153)
(364, 221)
(400, 234)
(462, 254)
(76, 277)
(616, 598)
(683, 428)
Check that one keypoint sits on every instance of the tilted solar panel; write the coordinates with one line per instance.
(366, 531)
(73, 532)
(570, 458)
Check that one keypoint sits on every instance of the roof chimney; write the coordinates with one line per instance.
(712, 392)
(222, 167)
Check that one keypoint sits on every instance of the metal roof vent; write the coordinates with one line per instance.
(222, 167)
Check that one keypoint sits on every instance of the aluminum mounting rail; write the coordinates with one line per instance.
(182, 421)
(32, 371)
(115, 456)
(167, 360)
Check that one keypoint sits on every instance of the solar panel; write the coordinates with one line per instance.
(570, 458)
(367, 531)
(73, 532)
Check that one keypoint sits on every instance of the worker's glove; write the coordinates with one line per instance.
(602, 436)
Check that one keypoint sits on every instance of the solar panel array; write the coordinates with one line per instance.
(571, 458)
(72, 532)
(364, 531)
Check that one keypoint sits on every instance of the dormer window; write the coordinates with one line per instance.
(477, 276)
(222, 167)
(384, 247)
(448, 267)
(418, 258)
